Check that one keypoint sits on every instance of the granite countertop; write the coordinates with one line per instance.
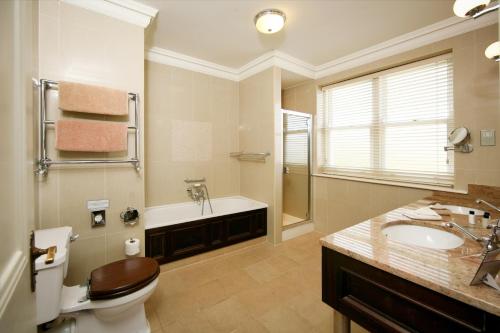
(448, 272)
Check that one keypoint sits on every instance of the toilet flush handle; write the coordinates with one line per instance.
(74, 237)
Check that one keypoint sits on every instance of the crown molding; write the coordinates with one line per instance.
(265, 61)
(171, 58)
(125, 10)
(448, 28)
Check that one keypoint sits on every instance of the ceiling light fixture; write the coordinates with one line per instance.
(493, 51)
(270, 21)
(474, 8)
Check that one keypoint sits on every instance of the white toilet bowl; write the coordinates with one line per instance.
(112, 303)
(121, 315)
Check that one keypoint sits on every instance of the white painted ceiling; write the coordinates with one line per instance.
(223, 32)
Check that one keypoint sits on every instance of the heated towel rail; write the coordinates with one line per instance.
(44, 162)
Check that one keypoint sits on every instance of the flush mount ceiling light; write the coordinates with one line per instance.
(270, 21)
(474, 8)
(493, 51)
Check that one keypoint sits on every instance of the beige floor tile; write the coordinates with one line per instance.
(197, 322)
(258, 300)
(237, 281)
(258, 288)
(226, 315)
(262, 271)
(251, 325)
(210, 293)
(310, 307)
(282, 263)
(154, 322)
(284, 319)
(176, 327)
(171, 307)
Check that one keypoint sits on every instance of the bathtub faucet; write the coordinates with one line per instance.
(198, 192)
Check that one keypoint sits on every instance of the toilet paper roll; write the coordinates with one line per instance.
(132, 246)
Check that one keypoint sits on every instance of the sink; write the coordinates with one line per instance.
(422, 236)
(462, 210)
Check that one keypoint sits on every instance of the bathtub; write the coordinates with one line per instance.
(160, 216)
(178, 231)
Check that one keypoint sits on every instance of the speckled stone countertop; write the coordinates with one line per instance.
(448, 272)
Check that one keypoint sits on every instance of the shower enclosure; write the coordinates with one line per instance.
(296, 167)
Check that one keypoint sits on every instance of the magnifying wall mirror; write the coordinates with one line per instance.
(458, 137)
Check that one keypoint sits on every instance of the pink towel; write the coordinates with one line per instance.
(91, 136)
(92, 99)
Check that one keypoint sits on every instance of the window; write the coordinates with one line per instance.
(391, 125)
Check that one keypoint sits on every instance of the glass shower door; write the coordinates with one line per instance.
(296, 167)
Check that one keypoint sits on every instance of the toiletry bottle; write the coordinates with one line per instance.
(486, 219)
(472, 216)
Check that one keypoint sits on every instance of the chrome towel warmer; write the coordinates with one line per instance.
(44, 162)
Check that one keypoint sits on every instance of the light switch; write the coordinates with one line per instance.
(488, 137)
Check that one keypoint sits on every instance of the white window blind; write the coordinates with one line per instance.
(391, 125)
(295, 140)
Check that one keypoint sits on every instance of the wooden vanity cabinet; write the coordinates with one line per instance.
(383, 302)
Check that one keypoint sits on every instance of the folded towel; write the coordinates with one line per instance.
(424, 213)
(92, 99)
(91, 136)
(442, 210)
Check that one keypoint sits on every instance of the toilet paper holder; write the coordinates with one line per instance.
(130, 216)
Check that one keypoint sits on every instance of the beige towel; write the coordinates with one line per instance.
(92, 99)
(91, 136)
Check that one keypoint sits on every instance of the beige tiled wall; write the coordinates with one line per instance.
(340, 203)
(259, 111)
(80, 45)
(191, 127)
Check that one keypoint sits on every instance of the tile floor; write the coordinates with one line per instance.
(259, 288)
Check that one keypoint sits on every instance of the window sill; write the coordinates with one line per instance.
(391, 183)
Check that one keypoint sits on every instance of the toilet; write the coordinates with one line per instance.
(112, 300)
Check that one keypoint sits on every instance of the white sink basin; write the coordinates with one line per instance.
(422, 236)
(463, 210)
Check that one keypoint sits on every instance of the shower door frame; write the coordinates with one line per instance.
(309, 160)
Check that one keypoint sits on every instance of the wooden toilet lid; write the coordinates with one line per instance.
(122, 277)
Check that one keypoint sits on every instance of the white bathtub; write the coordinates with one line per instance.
(160, 216)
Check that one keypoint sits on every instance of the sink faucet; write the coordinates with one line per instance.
(490, 243)
(481, 201)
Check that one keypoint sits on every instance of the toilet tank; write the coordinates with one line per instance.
(49, 278)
